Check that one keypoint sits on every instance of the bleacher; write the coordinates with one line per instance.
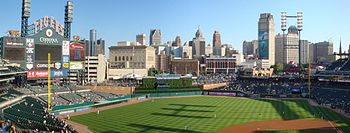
(337, 65)
(346, 66)
(31, 113)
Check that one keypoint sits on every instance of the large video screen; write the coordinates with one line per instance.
(263, 45)
(14, 53)
(42, 50)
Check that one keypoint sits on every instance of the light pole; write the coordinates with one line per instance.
(283, 27)
(299, 18)
(300, 28)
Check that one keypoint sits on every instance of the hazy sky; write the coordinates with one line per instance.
(119, 20)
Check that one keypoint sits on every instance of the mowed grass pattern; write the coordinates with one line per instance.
(201, 114)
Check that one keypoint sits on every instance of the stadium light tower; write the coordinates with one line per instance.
(68, 19)
(300, 28)
(25, 16)
(283, 27)
(299, 18)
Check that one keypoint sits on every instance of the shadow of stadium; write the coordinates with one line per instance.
(330, 115)
(187, 110)
(282, 109)
(182, 116)
(193, 105)
(146, 128)
(311, 130)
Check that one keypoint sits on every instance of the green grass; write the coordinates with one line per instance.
(197, 113)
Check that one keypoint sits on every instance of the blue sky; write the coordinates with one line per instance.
(119, 20)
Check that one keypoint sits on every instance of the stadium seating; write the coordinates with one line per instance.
(336, 65)
(31, 113)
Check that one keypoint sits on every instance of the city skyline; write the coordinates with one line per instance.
(122, 24)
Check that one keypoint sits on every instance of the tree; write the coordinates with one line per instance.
(278, 68)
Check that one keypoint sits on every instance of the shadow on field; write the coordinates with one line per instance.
(183, 116)
(146, 128)
(111, 131)
(192, 105)
(312, 130)
(325, 113)
(283, 110)
(187, 110)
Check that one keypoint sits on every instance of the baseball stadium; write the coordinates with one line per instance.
(47, 85)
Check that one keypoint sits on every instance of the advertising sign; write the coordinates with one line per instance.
(44, 73)
(77, 51)
(29, 53)
(263, 45)
(65, 47)
(74, 65)
(223, 93)
(14, 41)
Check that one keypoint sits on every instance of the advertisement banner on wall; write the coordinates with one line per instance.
(263, 45)
(44, 73)
(76, 65)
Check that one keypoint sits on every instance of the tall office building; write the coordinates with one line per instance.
(177, 42)
(287, 47)
(266, 35)
(250, 48)
(92, 42)
(322, 52)
(305, 45)
(100, 47)
(141, 38)
(216, 43)
(155, 37)
(198, 44)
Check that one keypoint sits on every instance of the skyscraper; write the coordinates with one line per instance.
(141, 38)
(322, 52)
(216, 43)
(177, 42)
(155, 37)
(198, 44)
(266, 35)
(92, 42)
(305, 58)
(287, 51)
(250, 48)
(100, 47)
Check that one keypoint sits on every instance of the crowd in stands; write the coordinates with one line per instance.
(77, 97)
(335, 95)
(266, 86)
(214, 78)
(32, 114)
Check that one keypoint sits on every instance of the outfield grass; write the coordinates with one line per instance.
(198, 114)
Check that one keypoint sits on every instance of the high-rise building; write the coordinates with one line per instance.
(250, 48)
(209, 50)
(155, 37)
(141, 38)
(186, 51)
(198, 44)
(216, 43)
(266, 35)
(322, 52)
(287, 47)
(305, 58)
(92, 42)
(100, 47)
(177, 42)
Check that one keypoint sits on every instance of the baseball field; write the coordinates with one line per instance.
(215, 114)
